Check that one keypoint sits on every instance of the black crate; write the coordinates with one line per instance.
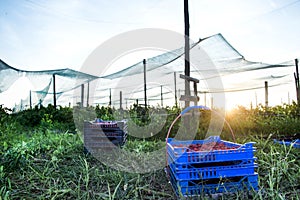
(104, 133)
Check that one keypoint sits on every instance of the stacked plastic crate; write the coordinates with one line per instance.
(102, 134)
(293, 143)
(211, 166)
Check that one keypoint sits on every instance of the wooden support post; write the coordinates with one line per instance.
(297, 83)
(145, 83)
(266, 94)
(30, 100)
(109, 97)
(190, 98)
(161, 96)
(188, 78)
(187, 50)
(195, 93)
(54, 91)
(82, 95)
(175, 87)
(256, 100)
(205, 98)
(121, 100)
(296, 86)
(88, 94)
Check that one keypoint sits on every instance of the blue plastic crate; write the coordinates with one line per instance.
(208, 181)
(188, 165)
(213, 172)
(180, 153)
(249, 182)
(294, 143)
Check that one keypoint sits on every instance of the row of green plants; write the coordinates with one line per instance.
(282, 121)
(40, 117)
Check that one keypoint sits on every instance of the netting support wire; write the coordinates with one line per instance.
(296, 75)
(54, 91)
(266, 94)
(145, 83)
(187, 50)
(175, 88)
(161, 96)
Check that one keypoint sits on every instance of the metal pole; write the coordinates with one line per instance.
(161, 96)
(145, 83)
(175, 87)
(297, 82)
(195, 93)
(82, 95)
(266, 94)
(30, 100)
(54, 92)
(204, 98)
(109, 97)
(120, 100)
(88, 95)
(187, 49)
(255, 100)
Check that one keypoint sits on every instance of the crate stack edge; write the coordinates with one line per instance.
(104, 134)
(211, 171)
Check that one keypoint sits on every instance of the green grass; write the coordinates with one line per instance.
(47, 165)
(279, 170)
(53, 166)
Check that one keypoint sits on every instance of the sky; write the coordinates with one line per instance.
(42, 35)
